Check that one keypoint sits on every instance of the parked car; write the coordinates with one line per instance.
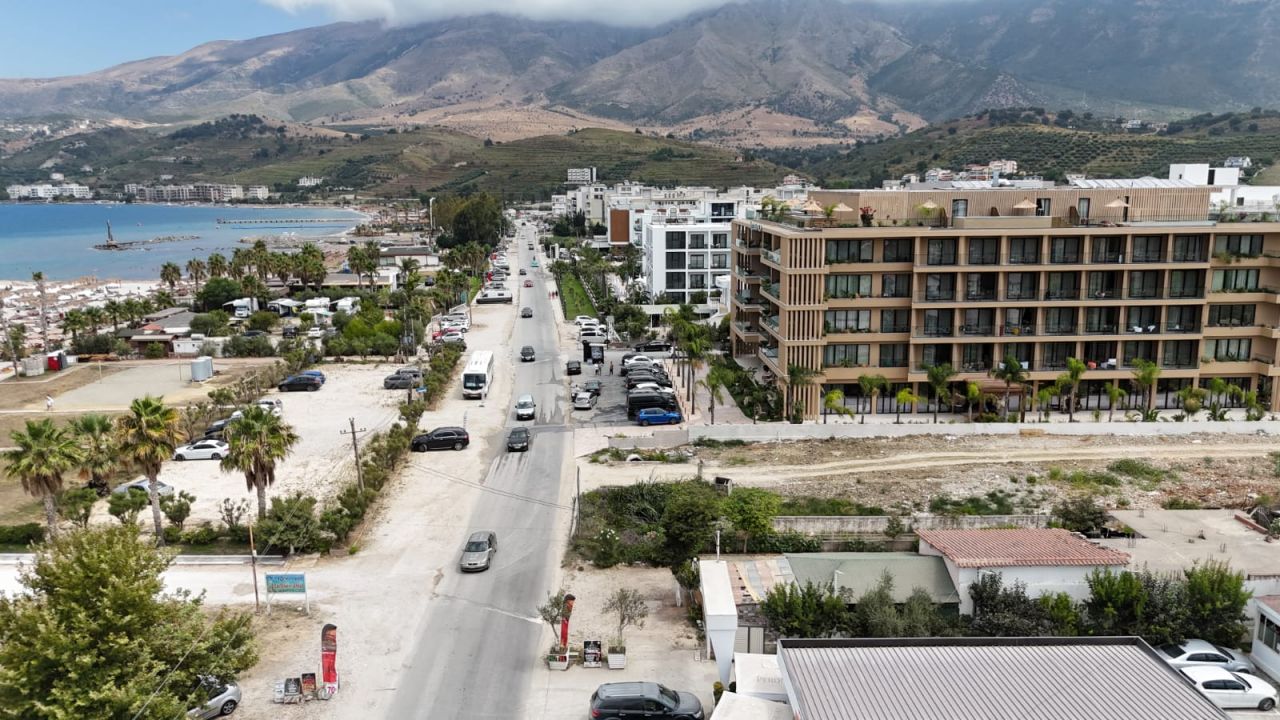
(527, 354)
(299, 382)
(528, 283)
(477, 554)
(636, 379)
(643, 700)
(584, 318)
(397, 381)
(526, 408)
(651, 387)
(222, 699)
(523, 271)
(584, 401)
(274, 405)
(1197, 653)
(591, 386)
(518, 440)
(1230, 690)
(216, 430)
(658, 416)
(654, 346)
(454, 338)
(254, 333)
(526, 312)
(315, 333)
(442, 438)
(573, 367)
(201, 450)
(289, 331)
(162, 488)
(315, 374)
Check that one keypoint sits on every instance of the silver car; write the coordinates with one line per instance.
(478, 553)
(224, 698)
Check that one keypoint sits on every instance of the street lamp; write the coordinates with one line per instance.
(431, 212)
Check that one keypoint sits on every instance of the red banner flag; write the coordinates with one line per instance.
(329, 657)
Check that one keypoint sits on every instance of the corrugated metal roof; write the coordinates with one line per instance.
(986, 679)
(1019, 547)
(1130, 183)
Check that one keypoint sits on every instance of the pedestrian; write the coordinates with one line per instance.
(48, 402)
(598, 366)
(610, 368)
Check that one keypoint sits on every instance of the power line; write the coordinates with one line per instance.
(495, 491)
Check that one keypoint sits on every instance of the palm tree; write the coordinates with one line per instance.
(256, 442)
(833, 402)
(98, 449)
(798, 376)
(355, 263)
(1011, 372)
(217, 265)
(113, 309)
(972, 396)
(1145, 375)
(940, 380)
(715, 381)
(170, 274)
(1071, 378)
(906, 397)
(872, 386)
(1115, 394)
(1045, 397)
(95, 317)
(197, 271)
(146, 438)
(74, 322)
(42, 454)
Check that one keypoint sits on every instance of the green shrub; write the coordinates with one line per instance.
(1179, 503)
(808, 505)
(23, 534)
(154, 351)
(177, 507)
(291, 526)
(206, 534)
(126, 506)
(172, 535)
(76, 506)
(1139, 470)
(713, 443)
(993, 503)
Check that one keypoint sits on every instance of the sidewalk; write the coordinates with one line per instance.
(727, 411)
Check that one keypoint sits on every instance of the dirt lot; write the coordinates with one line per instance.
(27, 393)
(902, 475)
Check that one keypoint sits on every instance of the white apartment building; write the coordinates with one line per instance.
(45, 191)
(198, 192)
(683, 257)
(1202, 174)
(306, 182)
(580, 176)
(257, 192)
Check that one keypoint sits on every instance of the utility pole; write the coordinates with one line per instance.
(355, 449)
(577, 506)
(253, 561)
(38, 277)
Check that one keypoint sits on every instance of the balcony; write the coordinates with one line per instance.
(978, 330)
(1142, 329)
(1024, 258)
(1101, 329)
(980, 295)
(745, 246)
(933, 331)
(746, 329)
(936, 296)
(1147, 257)
(1018, 330)
(1111, 293)
(771, 290)
(773, 256)
(747, 300)
(771, 321)
(1062, 294)
(1022, 294)
(1061, 330)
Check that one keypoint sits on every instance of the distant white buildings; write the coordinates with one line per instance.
(991, 170)
(1202, 174)
(1236, 161)
(580, 176)
(196, 192)
(306, 182)
(46, 191)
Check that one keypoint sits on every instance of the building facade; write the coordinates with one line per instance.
(682, 260)
(1109, 274)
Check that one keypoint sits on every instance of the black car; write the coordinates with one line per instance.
(592, 386)
(300, 382)
(523, 272)
(398, 382)
(217, 430)
(289, 331)
(254, 333)
(636, 379)
(526, 312)
(518, 440)
(527, 354)
(573, 367)
(643, 700)
(653, 346)
(442, 438)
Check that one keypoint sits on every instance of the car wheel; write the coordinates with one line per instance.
(179, 458)
(644, 423)
(313, 388)
(458, 446)
(1266, 704)
(215, 456)
(228, 707)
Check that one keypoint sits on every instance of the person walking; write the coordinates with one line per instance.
(610, 368)
(48, 403)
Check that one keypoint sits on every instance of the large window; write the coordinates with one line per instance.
(895, 320)
(1181, 353)
(1060, 321)
(838, 321)
(697, 241)
(1044, 207)
(1024, 251)
(984, 251)
(1133, 350)
(847, 286)
(675, 240)
(1104, 285)
(1190, 248)
(675, 281)
(933, 355)
(1247, 245)
(1182, 318)
(897, 250)
(1144, 284)
(1148, 248)
(1020, 321)
(696, 262)
(676, 260)
(1108, 250)
(896, 285)
(1231, 315)
(1142, 319)
(978, 321)
(720, 241)
(1101, 320)
(1235, 280)
(980, 286)
(893, 355)
(719, 261)
(846, 355)
(1064, 250)
(1063, 286)
(1186, 283)
(939, 286)
(1229, 348)
(939, 323)
(850, 251)
(1053, 356)
(941, 251)
(1021, 286)
(959, 208)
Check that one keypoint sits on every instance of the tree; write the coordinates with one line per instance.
(555, 611)
(76, 506)
(833, 402)
(1216, 600)
(716, 380)
(940, 380)
(798, 377)
(42, 454)
(751, 510)
(170, 274)
(1145, 376)
(1116, 603)
(872, 386)
(146, 437)
(1081, 514)
(97, 441)
(688, 520)
(308, 265)
(972, 396)
(263, 320)
(210, 324)
(95, 636)
(1010, 372)
(630, 609)
(1000, 611)
(255, 443)
(217, 265)
(219, 291)
(478, 221)
(1044, 398)
(1071, 379)
(877, 612)
(1115, 394)
(808, 611)
(908, 398)
(177, 507)
(126, 506)
(197, 270)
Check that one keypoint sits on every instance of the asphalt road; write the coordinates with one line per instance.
(477, 647)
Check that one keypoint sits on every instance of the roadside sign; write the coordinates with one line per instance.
(287, 584)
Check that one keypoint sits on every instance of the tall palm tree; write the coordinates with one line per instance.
(1115, 394)
(798, 376)
(908, 398)
(1145, 375)
(115, 311)
(940, 380)
(170, 274)
(872, 386)
(146, 438)
(218, 266)
(972, 396)
(355, 263)
(42, 454)
(96, 436)
(1010, 372)
(1071, 379)
(256, 442)
(716, 380)
(74, 322)
(833, 402)
(95, 318)
(197, 270)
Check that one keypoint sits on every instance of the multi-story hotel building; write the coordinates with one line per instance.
(967, 274)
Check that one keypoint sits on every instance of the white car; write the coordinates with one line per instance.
(454, 327)
(1201, 653)
(579, 320)
(202, 450)
(315, 333)
(652, 387)
(1229, 690)
(453, 336)
(275, 405)
(637, 360)
(584, 401)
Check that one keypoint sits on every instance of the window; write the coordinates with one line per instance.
(939, 286)
(1021, 352)
(895, 320)
(1019, 321)
(1024, 251)
(698, 281)
(1148, 248)
(1182, 318)
(976, 357)
(1044, 206)
(1246, 245)
(979, 321)
(1082, 208)
(959, 208)
(849, 251)
(720, 241)
(675, 281)
(846, 355)
(1108, 249)
(931, 355)
(675, 240)
(1100, 320)
(984, 251)
(720, 261)
(1020, 286)
(980, 286)
(1144, 284)
(897, 285)
(1104, 285)
(848, 320)
(1235, 280)
(1134, 350)
(1060, 321)
(696, 262)
(1063, 286)
(1054, 355)
(1142, 319)
(939, 323)
(1231, 315)
(1186, 283)
(697, 241)
(1065, 250)
(676, 260)
(941, 251)
(1229, 348)
(897, 250)
(893, 355)
(847, 286)
(1268, 632)
(1181, 353)
(1190, 248)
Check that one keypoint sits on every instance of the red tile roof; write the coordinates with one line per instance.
(1019, 547)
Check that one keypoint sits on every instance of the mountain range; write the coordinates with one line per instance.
(818, 67)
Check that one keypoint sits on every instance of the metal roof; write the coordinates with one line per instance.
(987, 678)
(1130, 183)
(860, 572)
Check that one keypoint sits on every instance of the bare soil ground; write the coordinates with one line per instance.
(25, 392)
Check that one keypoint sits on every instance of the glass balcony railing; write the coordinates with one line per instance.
(773, 256)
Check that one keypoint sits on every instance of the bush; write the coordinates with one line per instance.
(206, 534)
(263, 320)
(241, 346)
(291, 525)
(75, 506)
(172, 535)
(23, 534)
(154, 351)
(1080, 514)
(102, 344)
(126, 506)
(177, 507)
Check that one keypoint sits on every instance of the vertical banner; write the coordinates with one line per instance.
(328, 658)
(564, 622)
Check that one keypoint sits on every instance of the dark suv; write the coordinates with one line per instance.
(442, 438)
(643, 700)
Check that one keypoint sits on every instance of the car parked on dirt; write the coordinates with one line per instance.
(300, 382)
(220, 699)
(201, 450)
(442, 438)
(397, 381)
(643, 700)
(162, 488)
(315, 374)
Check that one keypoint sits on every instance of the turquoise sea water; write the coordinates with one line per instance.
(58, 239)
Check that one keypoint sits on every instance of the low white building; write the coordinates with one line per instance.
(306, 182)
(580, 176)
(257, 192)
(1045, 560)
(1202, 174)
(45, 191)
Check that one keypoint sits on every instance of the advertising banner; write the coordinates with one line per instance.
(329, 658)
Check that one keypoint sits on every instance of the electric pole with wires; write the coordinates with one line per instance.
(355, 449)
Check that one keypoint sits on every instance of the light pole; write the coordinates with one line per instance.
(431, 212)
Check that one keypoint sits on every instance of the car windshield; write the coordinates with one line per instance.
(524, 402)
(477, 546)
(1172, 650)
(519, 434)
(669, 695)
(472, 381)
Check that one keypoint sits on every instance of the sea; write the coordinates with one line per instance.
(58, 238)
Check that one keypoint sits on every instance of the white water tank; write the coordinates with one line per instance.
(201, 368)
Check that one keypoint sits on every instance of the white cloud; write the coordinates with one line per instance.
(399, 12)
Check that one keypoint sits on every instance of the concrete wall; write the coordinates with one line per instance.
(765, 432)
(843, 525)
(1040, 580)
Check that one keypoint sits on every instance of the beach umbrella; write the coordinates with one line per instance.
(1025, 204)
(812, 207)
(1118, 203)
(843, 208)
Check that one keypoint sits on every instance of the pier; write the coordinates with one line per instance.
(289, 221)
(113, 244)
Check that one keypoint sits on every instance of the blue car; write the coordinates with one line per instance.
(658, 416)
(315, 374)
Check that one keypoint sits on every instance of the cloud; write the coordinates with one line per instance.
(400, 12)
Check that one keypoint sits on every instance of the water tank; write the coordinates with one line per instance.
(201, 368)
(32, 366)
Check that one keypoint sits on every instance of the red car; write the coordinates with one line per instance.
(528, 283)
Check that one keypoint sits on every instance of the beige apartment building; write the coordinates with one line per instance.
(1107, 272)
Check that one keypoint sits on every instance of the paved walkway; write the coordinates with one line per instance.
(726, 411)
